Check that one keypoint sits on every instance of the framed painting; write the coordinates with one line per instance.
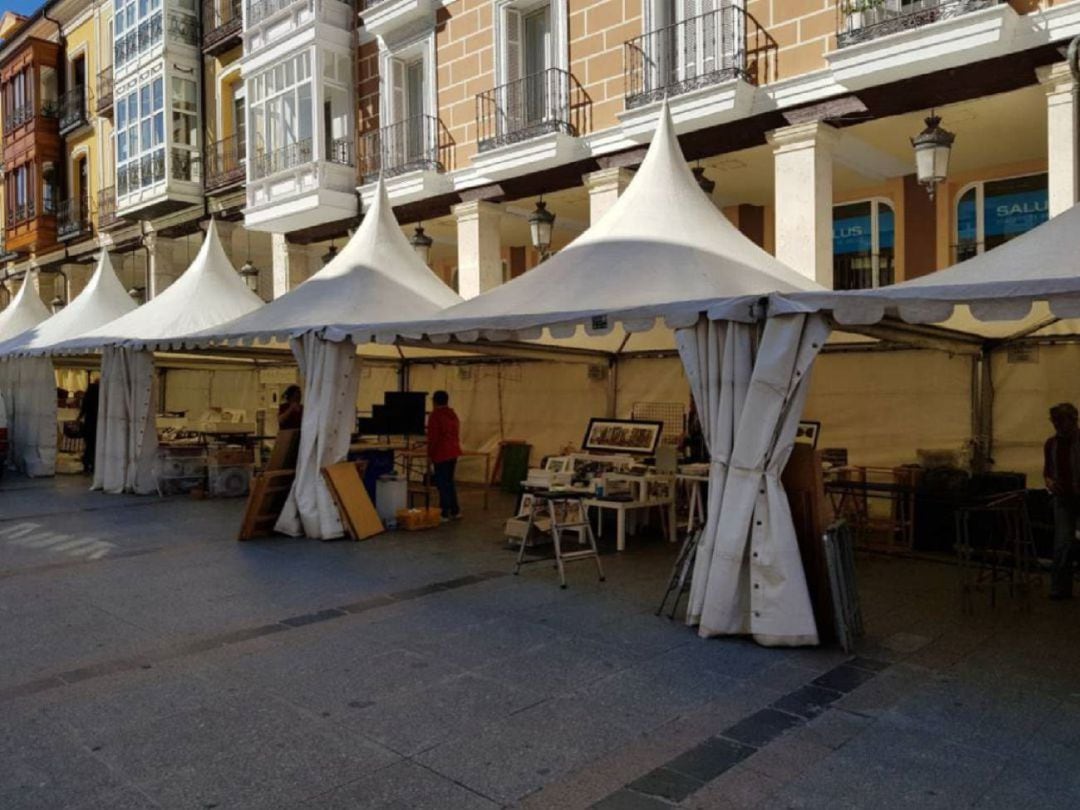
(623, 436)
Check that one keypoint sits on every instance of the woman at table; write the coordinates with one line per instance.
(444, 449)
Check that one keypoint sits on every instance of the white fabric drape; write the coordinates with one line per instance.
(127, 429)
(7, 405)
(33, 442)
(749, 578)
(330, 381)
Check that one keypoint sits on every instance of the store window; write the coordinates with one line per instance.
(864, 236)
(140, 137)
(992, 212)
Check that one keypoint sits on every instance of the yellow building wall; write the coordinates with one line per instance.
(83, 40)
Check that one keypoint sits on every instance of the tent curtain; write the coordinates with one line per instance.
(329, 374)
(748, 576)
(127, 429)
(33, 442)
(7, 404)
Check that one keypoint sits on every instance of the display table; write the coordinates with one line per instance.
(648, 491)
(412, 461)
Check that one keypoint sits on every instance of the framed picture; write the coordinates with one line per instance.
(623, 435)
(526, 505)
(808, 433)
(558, 464)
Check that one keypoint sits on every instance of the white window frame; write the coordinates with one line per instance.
(559, 53)
(980, 207)
(875, 233)
(135, 123)
(421, 48)
(257, 98)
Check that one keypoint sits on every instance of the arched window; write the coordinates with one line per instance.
(991, 212)
(864, 236)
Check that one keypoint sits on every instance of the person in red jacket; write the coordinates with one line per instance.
(444, 448)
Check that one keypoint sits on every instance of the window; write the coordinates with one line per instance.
(140, 137)
(991, 213)
(281, 115)
(863, 243)
(138, 27)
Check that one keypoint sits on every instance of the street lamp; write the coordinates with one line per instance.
(541, 222)
(138, 295)
(56, 304)
(932, 148)
(421, 243)
(329, 255)
(250, 274)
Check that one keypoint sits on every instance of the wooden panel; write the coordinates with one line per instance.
(357, 511)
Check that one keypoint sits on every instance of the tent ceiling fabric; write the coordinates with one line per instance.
(25, 312)
(209, 292)
(375, 278)
(104, 299)
(661, 251)
(1025, 281)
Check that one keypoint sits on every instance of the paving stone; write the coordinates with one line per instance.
(709, 759)
(844, 678)
(740, 787)
(402, 786)
(762, 727)
(836, 726)
(629, 800)
(808, 701)
(665, 783)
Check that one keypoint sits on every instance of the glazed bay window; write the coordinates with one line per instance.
(282, 115)
(185, 131)
(864, 234)
(990, 213)
(139, 26)
(140, 137)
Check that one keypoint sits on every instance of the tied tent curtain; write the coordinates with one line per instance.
(748, 576)
(330, 383)
(33, 443)
(127, 430)
(7, 404)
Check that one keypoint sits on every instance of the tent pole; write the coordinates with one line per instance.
(613, 388)
(983, 413)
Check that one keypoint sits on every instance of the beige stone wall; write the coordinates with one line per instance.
(599, 30)
(465, 49)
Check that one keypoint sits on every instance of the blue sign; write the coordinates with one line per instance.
(1016, 213)
(855, 234)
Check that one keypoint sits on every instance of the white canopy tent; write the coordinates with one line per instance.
(376, 277)
(24, 312)
(102, 300)
(208, 293)
(663, 250)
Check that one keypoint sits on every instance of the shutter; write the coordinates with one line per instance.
(396, 146)
(513, 101)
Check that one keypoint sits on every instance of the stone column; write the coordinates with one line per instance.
(605, 187)
(279, 257)
(804, 198)
(1061, 131)
(165, 267)
(479, 247)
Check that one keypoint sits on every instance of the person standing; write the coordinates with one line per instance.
(290, 413)
(1061, 469)
(444, 449)
(88, 420)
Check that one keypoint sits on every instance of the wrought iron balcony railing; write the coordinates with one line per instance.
(107, 217)
(105, 91)
(545, 102)
(341, 151)
(21, 213)
(222, 21)
(409, 145)
(73, 110)
(280, 160)
(72, 219)
(708, 49)
(865, 20)
(225, 164)
(185, 165)
(857, 272)
(183, 28)
(26, 112)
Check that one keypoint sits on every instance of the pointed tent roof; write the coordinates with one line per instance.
(1028, 280)
(209, 292)
(26, 311)
(102, 300)
(376, 277)
(663, 249)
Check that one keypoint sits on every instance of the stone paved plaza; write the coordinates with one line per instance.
(149, 660)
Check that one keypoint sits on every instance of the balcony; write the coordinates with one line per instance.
(73, 221)
(413, 145)
(264, 9)
(865, 20)
(25, 113)
(72, 114)
(105, 92)
(225, 163)
(281, 160)
(107, 218)
(548, 102)
(222, 23)
(30, 227)
(183, 29)
(711, 49)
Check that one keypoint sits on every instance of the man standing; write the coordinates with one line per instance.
(1061, 469)
(444, 448)
(88, 418)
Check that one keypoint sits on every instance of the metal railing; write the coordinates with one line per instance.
(185, 165)
(409, 145)
(105, 90)
(708, 49)
(280, 160)
(225, 164)
(548, 101)
(341, 151)
(222, 20)
(73, 109)
(183, 28)
(21, 212)
(864, 20)
(107, 217)
(18, 116)
(72, 219)
(857, 272)
(259, 11)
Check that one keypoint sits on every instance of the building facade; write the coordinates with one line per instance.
(127, 123)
